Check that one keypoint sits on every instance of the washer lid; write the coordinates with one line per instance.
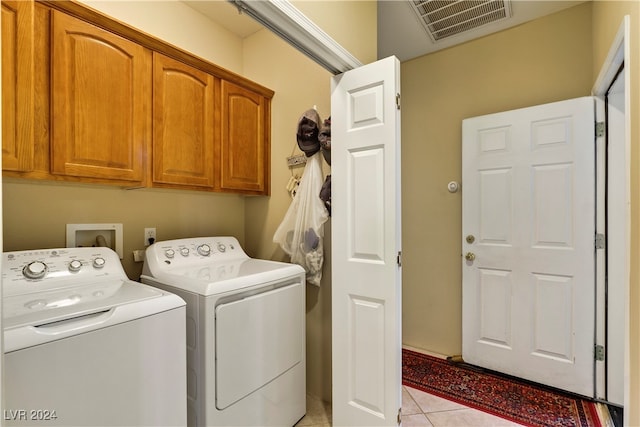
(60, 304)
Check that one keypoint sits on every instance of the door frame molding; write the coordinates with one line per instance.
(619, 54)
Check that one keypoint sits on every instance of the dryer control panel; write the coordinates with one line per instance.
(195, 251)
(211, 265)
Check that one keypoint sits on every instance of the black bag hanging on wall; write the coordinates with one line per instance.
(308, 131)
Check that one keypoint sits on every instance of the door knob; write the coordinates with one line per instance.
(470, 256)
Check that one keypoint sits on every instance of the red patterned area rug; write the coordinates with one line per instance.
(520, 402)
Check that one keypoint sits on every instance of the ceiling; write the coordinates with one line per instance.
(400, 31)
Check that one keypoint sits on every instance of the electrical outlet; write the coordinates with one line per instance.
(149, 236)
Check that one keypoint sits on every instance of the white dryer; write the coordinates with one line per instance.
(245, 330)
(86, 346)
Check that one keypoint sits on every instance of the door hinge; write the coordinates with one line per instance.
(397, 101)
(399, 416)
(399, 259)
(599, 353)
(600, 241)
(600, 128)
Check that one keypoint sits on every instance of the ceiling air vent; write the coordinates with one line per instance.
(445, 18)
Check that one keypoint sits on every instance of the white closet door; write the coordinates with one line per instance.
(366, 291)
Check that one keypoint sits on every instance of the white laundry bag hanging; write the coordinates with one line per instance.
(302, 230)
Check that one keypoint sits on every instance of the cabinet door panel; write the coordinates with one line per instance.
(245, 140)
(183, 128)
(100, 105)
(17, 85)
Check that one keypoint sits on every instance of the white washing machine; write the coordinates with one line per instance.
(85, 346)
(245, 330)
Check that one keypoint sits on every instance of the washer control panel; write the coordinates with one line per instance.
(26, 271)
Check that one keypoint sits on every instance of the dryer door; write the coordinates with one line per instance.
(257, 339)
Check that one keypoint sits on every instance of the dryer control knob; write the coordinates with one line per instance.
(169, 253)
(35, 270)
(222, 247)
(184, 251)
(204, 250)
(98, 262)
(75, 266)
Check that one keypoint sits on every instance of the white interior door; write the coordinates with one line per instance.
(617, 238)
(528, 234)
(366, 272)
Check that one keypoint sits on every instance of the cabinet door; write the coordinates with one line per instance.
(244, 149)
(101, 96)
(183, 112)
(17, 85)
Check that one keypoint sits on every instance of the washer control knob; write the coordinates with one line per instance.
(75, 266)
(169, 253)
(184, 251)
(98, 262)
(222, 247)
(35, 270)
(204, 250)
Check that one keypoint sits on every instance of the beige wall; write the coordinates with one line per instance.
(607, 18)
(542, 61)
(554, 58)
(180, 25)
(35, 213)
(353, 24)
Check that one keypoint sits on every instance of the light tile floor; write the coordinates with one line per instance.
(424, 409)
(418, 409)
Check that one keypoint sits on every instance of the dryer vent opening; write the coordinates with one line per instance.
(446, 18)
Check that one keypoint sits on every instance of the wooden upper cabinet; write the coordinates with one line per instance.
(101, 97)
(244, 148)
(87, 98)
(183, 125)
(17, 85)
